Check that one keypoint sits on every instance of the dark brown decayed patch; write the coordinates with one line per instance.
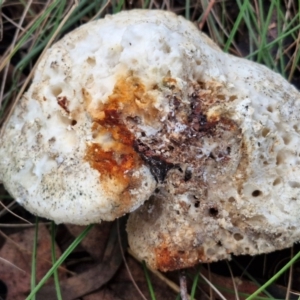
(63, 103)
(200, 145)
(159, 167)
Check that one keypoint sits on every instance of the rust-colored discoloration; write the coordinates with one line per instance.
(63, 103)
(117, 158)
(110, 164)
(169, 82)
(165, 260)
(173, 259)
(129, 99)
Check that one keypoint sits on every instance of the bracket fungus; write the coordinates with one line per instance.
(142, 112)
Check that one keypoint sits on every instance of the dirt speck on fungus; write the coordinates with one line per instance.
(63, 103)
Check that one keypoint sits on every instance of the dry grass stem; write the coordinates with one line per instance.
(15, 214)
(212, 287)
(4, 210)
(127, 267)
(13, 265)
(35, 66)
(288, 289)
(233, 282)
(101, 10)
(13, 45)
(206, 13)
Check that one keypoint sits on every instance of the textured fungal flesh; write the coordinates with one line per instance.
(141, 107)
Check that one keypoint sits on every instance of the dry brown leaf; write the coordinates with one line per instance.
(104, 294)
(123, 287)
(95, 277)
(16, 270)
(95, 242)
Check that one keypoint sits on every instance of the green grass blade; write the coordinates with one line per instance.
(60, 261)
(80, 12)
(236, 25)
(187, 9)
(118, 7)
(194, 286)
(34, 27)
(53, 256)
(262, 54)
(252, 278)
(150, 287)
(276, 276)
(275, 41)
(146, 4)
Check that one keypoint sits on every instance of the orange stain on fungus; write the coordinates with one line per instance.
(172, 259)
(129, 99)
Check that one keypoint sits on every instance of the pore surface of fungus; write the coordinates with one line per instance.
(142, 106)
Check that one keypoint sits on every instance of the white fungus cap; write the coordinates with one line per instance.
(142, 104)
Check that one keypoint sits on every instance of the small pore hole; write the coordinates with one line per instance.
(91, 61)
(187, 174)
(265, 132)
(286, 139)
(256, 193)
(56, 90)
(277, 181)
(210, 252)
(52, 140)
(280, 158)
(213, 212)
(296, 128)
(270, 108)
(73, 122)
(238, 236)
(133, 120)
(166, 48)
(231, 199)
(197, 204)
(294, 184)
